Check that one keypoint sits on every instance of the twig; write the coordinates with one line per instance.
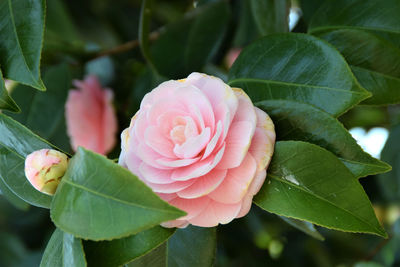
(125, 47)
(375, 251)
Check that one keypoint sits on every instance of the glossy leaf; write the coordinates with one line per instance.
(303, 122)
(121, 251)
(390, 182)
(271, 16)
(21, 32)
(98, 199)
(6, 102)
(305, 227)
(63, 250)
(186, 45)
(43, 112)
(307, 182)
(191, 246)
(8, 194)
(375, 62)
(16, 143)
(297, 67)
(365, 14)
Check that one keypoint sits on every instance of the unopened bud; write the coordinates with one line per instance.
(44, 169)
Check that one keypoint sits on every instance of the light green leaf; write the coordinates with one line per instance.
(271, 16)
(63, 250)
(6, 102)
(15, 144)
(297, 67)
(121, 251)
(21, 32)
(307, 182)
(191, 246)
(306, 227)
(303, 122)
(374, 61)
(188, 44)
(98, 199)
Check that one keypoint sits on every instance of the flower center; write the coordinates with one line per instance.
(183, 128)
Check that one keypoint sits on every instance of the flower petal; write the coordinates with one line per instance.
(236, 183)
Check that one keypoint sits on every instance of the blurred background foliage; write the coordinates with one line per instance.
(101, 37)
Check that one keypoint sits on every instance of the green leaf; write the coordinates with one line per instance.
(305, 227)
(121, 251)
(8, 194)
(156, 258)
(199, 244)
(15, 144)
(188, 44)
(307, 182)
(191, 246)
(303, 122)
(21, 32)
(63, 250)
(98, 199)
(271, 16)
(6, 102)
(360, 14)
(297, 67)
(390, 182)
(43, 112)
(374, 61)
(144, 31)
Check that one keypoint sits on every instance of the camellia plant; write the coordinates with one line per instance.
(142, 149)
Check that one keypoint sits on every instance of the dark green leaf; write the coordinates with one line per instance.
(21, 32)
(63, 250)
(363, 14)
(297, 67)
(43, 112)
(375, 61)
(307, 182)
(271, 16)
(144, 30)
(6, 101)
(246, 30)
(121, 251)
(11, 197)
(156, 258)
(199, 246)
(390, 182)
(305, 227)
(186, 45)
(97, 199)
(13, 175)
(303, 122)
(191, 246)
(15, 144)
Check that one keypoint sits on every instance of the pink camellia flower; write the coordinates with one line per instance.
(44, 169)
(91, 119)
(202, 146)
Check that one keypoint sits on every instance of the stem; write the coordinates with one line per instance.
(125, 47)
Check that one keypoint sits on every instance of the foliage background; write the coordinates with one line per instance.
(101, 37)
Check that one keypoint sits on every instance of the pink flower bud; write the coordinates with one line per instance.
(44, 169)
(232, 56)
(90, 116)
